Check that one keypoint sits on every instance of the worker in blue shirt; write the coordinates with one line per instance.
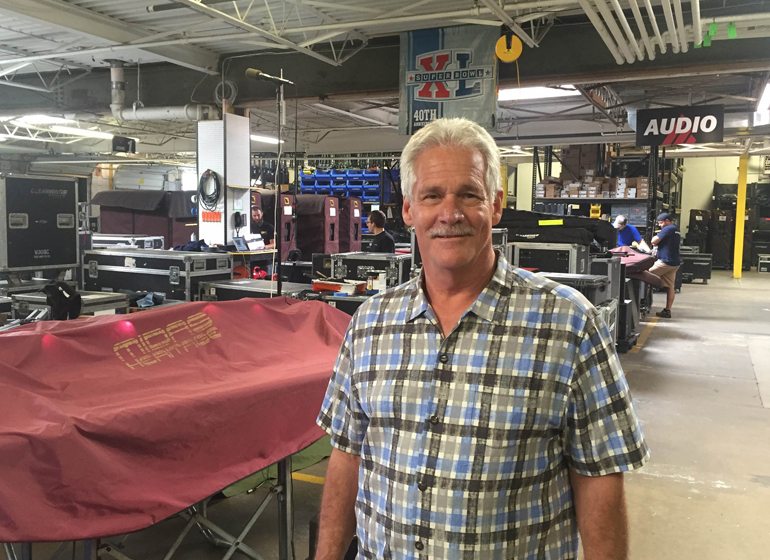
(663, 273)
(627, 233)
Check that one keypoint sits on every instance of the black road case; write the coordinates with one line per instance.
(38, 223)
(696, 266)
(225, 290)
(358, 266)
(176, 274)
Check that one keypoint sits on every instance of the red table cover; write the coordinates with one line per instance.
(110, 424)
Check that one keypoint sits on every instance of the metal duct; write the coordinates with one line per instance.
(190, 112)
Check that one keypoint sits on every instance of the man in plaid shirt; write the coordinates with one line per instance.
(477, 411)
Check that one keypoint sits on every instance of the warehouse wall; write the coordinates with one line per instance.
(700, 174)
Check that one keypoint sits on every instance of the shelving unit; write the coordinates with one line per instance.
(665, 189)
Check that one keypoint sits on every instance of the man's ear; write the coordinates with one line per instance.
(406, 212)
(497, 208)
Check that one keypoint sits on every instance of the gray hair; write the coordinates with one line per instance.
(454, 132)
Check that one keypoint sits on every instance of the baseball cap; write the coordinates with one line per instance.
(663, 216)
(620, 220)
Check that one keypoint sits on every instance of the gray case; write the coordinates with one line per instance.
(569, 258)
(176, 274)
(225, 290)
(358, 266)
(127, 240)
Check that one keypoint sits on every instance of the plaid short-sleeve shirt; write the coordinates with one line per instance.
(465, 441)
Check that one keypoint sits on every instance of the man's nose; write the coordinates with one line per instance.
(450, 211)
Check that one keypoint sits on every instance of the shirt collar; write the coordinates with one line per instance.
(486, 304)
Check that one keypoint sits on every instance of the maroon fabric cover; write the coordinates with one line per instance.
(634, 260)
(116, 220)
(110, 424)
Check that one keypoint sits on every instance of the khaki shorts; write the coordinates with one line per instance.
(665, 272)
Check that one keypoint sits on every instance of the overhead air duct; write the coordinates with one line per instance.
(190, 112)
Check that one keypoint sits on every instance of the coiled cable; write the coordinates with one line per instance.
(209, 198)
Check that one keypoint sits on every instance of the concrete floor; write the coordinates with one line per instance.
(701, 384)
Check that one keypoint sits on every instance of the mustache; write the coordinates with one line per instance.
(458, 230)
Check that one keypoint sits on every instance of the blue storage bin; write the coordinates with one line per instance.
(307, 189)
(322, 173)
(307, 180)
(339, 189)
(372, 190)
(323, 186)
(371, 198)
(338, 173)
(355, 174)
(371, 176)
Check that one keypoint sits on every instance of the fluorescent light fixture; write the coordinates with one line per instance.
(521, 94)
(86, 133)
(37, 120)
(764, 102)
(265, 139)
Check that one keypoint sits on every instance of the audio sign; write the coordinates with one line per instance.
(680, 125)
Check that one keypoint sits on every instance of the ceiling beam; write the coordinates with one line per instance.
(235, 22)
(438, 17)
(80, 20)
(508, 20)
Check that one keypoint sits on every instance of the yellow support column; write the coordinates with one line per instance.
(740, 216)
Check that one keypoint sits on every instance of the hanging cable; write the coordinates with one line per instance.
(209, 198)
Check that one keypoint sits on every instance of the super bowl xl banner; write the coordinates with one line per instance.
(448, 72)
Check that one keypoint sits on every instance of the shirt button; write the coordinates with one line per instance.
(434, 419)
(422, 486)
(418, 545)
(443, 358)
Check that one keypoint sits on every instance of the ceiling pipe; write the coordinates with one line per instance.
(655, 28)
(697, 27)
(680, 25)
(627, 28)
(189, 112)
(596, 20)
(642, 29)
(671, 26)
(615, 30)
